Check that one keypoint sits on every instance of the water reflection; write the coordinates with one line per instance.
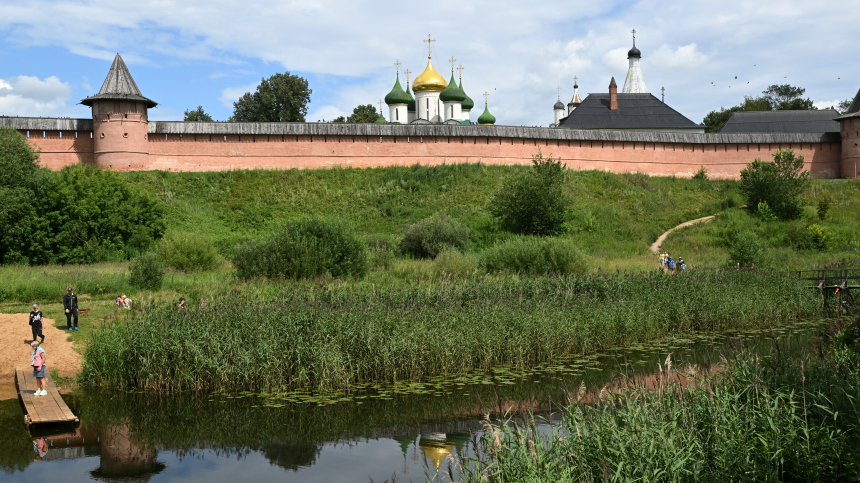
(136, 436)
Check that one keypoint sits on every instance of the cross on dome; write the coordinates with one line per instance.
(407, 76)
(634, 37)
(429, 45)
(452, 60)
(397, 64)
(559, 92)
(486, 97)
(460, 70)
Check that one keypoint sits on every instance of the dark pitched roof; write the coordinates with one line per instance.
(782, 121)
(119, 85)
(635, 111)
(854, 110)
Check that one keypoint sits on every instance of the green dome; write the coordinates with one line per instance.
(382, 120)
(397, 94)
(452, 93)
(468, 103)
(410, 106)
(486, 117)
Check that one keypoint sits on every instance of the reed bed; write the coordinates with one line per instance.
(337, 335)
(779, 419)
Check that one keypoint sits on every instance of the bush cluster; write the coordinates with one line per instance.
(301, 249)
(533, 203)
(80, 214)
(187, 252)
(533, 255)
(146, 272)
(454, 262)
(428, 237)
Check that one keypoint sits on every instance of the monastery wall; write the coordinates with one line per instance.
(850, 133)
(180, 146)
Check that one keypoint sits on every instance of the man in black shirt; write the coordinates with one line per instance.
(70, 303)
(36, 323)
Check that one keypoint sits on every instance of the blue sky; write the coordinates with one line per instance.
(190, 53)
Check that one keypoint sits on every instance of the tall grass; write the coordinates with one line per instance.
(338, 335)
(761, 420)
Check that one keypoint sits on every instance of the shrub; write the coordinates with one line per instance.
(428, 237)
(301, 249)
(764, 212)
(187, 252)
(701, 174)
(746, 248)
(146, 272)
(779, 183)
(454, 262)
(819, 237)
(536, 255)
(823, 208)
(534, 202)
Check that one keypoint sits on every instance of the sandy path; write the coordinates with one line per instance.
(656, 246)
(15, 337)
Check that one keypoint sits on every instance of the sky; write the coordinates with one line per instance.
(707, 54)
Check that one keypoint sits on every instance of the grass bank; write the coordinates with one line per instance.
(336, 335)
(774, 419)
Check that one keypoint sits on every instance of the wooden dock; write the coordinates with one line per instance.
(42, 410)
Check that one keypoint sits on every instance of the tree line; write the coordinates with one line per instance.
(280, 98)
(775, 98)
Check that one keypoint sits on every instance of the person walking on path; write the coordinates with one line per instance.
(662, 259)
(70, 303)
(671, 265)
(38, 359)
(36, 323)
(682, 264)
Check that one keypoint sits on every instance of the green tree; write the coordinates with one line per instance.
(280, 98)
(787, 98)
(779, 183)
(26, 190)
(844, 106)
(365, 113)
(715, 120)
(534, 202)
(197, 115)
(102, 216)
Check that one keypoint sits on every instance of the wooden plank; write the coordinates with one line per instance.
(50, 408)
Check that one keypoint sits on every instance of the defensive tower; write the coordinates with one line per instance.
(120, 121)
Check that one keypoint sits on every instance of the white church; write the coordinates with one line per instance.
(436, 101)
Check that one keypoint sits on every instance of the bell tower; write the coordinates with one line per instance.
(119, 121)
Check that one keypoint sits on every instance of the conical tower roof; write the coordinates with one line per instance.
(380, 120)
(119, 86)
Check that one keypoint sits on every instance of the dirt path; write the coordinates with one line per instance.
(657, 244)
(15, 350)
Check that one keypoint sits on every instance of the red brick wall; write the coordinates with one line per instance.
(850, 147)
(212, 153)
(62, 148)
(199, 152)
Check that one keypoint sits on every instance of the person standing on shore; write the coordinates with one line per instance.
(36, 323)
(70, 303)
(38, 360)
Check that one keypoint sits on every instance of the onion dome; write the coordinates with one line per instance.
(468, 103)
(634, 52)
(410, 106)
(486, 117)
(452, 93)
(558, 105)
(397, 96)
(429, 80)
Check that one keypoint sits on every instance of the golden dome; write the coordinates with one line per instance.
(436, 449)
(429, 80)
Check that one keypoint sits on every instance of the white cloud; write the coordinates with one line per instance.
(519, 52)
(232, 94)
(828, 104)
(684, 57)
(31, 96)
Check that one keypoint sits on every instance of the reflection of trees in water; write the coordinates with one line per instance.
(291, 456)
(123, 457)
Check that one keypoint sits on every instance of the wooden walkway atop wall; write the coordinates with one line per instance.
(50, 409)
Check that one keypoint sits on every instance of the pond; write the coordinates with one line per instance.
(405, 431)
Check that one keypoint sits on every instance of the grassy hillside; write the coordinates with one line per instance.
(614, 215)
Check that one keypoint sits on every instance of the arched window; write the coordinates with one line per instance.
(396, 114)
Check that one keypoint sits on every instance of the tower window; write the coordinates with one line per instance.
(396, 114)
